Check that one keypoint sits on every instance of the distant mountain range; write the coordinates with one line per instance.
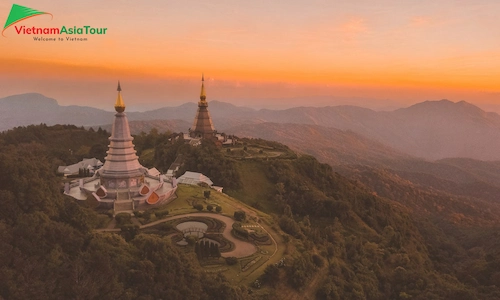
(331, 145)
(430, 130)
(355, 156)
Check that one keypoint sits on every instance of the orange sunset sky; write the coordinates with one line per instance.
(375, 53)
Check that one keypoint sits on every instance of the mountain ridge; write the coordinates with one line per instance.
(432, 129)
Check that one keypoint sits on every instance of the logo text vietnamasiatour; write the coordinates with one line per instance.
(62, 30)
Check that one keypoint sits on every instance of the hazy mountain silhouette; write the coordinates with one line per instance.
(33, 108)
(136, 127)
(363, 159)
(431, 129)
(26, 109)
(331, 145)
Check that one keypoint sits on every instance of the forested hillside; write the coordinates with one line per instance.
(343, 240)
(404, 245)
(49, 250)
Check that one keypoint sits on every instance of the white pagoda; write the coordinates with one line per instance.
(123, 183)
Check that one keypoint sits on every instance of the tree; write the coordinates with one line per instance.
(206, 194)
(271, 275)
(280, 188)
(210, 207)
(129, 231)
(287, 211)
(123, 219)
(205, 249)
(198, 206)
(98, 151)
(197, 250)
(218, 208)
(211, 249)
(240, 215)
(217, 250)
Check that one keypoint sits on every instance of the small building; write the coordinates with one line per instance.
(91, 164)
(154, 172)
(217, 188)
(194, 178)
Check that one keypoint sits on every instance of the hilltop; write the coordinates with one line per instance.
(342, 240)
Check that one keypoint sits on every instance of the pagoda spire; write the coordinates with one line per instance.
(122, 164)
(202, 125)
(203, 96)
(119, 105)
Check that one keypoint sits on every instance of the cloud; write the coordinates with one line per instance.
(353, 28)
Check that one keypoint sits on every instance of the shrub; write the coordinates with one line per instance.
(146, 215)
(218, 208)
(161, 213)
(129, 231)
(122, 219)
(198, 206)
(289, 226)
(240, 215)
(191, 239)
(210, 207)
(317, 260)
(231, 260)
(166, 226)
(238, 230)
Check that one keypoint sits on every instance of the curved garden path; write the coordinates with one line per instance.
(242, 248)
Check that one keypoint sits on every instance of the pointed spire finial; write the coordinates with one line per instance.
(119, 105)
(203, 97)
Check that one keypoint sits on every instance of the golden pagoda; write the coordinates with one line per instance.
(202, 125)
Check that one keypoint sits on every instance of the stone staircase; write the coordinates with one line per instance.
(123, 203)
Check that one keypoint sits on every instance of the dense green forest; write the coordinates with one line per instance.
(48, 249)
(343, 240)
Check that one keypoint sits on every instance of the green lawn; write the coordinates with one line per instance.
(253, 151)
(256, 187)
(188, 195)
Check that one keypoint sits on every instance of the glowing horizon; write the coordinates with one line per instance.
(381, 49)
